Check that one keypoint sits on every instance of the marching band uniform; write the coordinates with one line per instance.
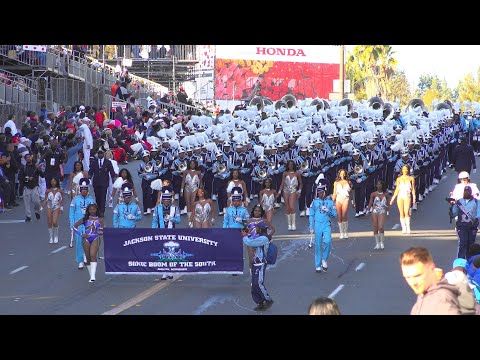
(147, 178)
(78, 207)
(235, 217)
(322, 210)
(220, 184)
(358, 181)
(468, 212)
(126, 215)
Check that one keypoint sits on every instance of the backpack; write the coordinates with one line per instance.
(271, 255)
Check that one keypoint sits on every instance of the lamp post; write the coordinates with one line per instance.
(342, 72)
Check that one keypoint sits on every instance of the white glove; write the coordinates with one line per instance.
(238, 219)
(130, 216)
(324, 208)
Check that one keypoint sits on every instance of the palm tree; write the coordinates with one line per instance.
(370, 68)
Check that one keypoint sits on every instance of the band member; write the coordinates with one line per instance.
(292, 187)
(378, 206)
(342, 188)
(177, 168)
(321, 213)
(259, 174)
(146, 171)
(236, 181)
(405, 191)
(165, 216)
(267, 198)
(260, 244)
(221, 172)
(464, 180)
(78, 208)
(54, 204)
(236, 215)
(191, 182)
(356, 169)
(126, 214)
(90, 228)
(203, 211)
(468, 211)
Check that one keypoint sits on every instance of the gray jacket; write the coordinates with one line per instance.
(440, 299)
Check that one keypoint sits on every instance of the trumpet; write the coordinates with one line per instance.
(262, 174)
(304, 166)
(358, 169)
(182, 166)
(221, 168)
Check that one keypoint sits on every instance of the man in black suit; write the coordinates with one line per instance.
(100, 170)
(463, 157)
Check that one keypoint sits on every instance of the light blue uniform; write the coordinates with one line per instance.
(158, 217)
(126, 215)
(78, 206)
(321, 211)
(232, 215)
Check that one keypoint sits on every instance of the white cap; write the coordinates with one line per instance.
(464, 175)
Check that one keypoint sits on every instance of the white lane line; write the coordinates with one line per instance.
(58, 250)
(18, 269)
(140, 297)
(360, 267)
(395, 227)
(11, 221)
(336, 291)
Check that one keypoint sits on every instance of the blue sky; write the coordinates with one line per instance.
(448, 62)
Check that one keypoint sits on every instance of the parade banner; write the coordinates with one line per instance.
(122, 104)
(174, 251)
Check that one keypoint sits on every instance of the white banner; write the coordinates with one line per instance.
(323, 54)
(41, 48)
(122, 104)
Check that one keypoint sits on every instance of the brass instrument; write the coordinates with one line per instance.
(415, 103)
(148, 168)
(290, 100)
(376, 103)
(221, 168)
(304, 166)
(358, 169)
(348, 103)
(182, 166)
(262, 174)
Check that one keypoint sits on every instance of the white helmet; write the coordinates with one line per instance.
(464, 175)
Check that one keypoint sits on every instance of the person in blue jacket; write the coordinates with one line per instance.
(165, 216)
(259, 242)
(322, 210)
(236, 216)
(77, 211)
(126, 214)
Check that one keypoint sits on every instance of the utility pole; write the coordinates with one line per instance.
(342, 72)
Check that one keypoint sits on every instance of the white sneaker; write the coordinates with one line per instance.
(145, 213)
(307, 212)
(318, 269)
(149, 211)
(361, 213)
(164, 277)
(55, 240)
(251, 196)
(220, 213)
(81, 265)
(50, 241)
(414, 206)
(302, 213)
(357, 214)
(420, 197)
(176, 197)
(294, 227)
(277, 205)
(282, 200)
(324, 265)
(341, 236)
(214, 197)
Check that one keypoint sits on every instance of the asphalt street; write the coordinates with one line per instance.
(42, 278)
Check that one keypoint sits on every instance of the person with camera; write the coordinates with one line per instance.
(259, 241)
(29, 177)
(467, 210)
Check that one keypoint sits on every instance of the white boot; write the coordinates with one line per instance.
(404, 226)
(189, 214)
(89, 268)
(55, 235)
(382, 239)
(377, 242)
(340, 230)
(289, 221)
(50, 231)
(294, 227)
(407, 225)
(93, 271)
(345, 229)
